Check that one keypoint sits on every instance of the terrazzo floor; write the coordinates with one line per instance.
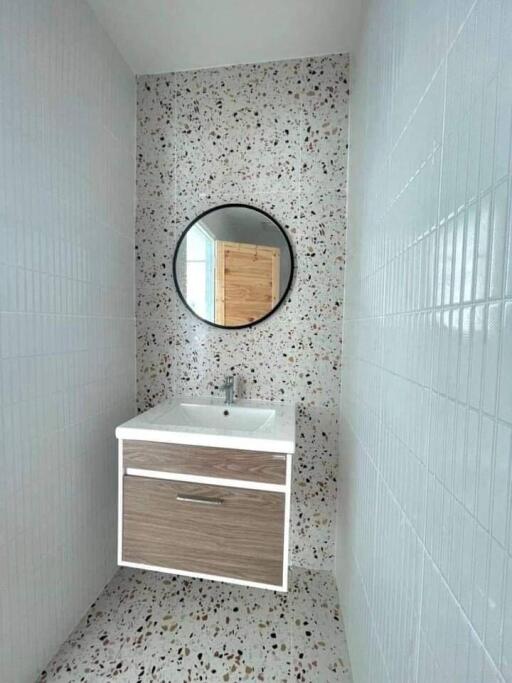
(147, 626)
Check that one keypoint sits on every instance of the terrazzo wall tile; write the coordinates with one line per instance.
(275, 136)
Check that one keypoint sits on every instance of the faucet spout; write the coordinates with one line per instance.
(229, 389)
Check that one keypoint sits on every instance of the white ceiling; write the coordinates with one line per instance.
(156, 36)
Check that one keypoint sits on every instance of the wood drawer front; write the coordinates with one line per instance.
(240, 538)
(225, 463)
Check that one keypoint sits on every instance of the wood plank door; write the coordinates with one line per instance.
(246, 282)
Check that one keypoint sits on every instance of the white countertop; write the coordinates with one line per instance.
(174, 422)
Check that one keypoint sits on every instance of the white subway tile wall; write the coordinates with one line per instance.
(424, 537)
(67, 333)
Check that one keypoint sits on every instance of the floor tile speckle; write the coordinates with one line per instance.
(147, 626)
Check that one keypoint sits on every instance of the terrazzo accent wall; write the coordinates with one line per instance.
(67, 323)
(425, 537)
(272, 135)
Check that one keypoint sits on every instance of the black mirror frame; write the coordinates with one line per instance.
(288, 285)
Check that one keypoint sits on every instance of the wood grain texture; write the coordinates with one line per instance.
(219, 284)
(240, 538)
(276, 267)
(227, 463)
(247, 282)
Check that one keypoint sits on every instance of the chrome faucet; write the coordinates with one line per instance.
(229, 388)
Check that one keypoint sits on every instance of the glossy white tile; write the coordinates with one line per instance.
(67, 352)
(426, 394)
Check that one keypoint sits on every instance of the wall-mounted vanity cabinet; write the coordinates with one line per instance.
(204, 491)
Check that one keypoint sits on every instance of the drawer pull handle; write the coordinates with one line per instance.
(279, 456)
(200, 499)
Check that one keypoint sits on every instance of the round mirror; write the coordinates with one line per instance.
(233, 265)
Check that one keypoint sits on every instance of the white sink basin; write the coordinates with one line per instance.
(248, 425)
(221, 417)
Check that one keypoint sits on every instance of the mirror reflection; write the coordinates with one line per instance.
(233, 265)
